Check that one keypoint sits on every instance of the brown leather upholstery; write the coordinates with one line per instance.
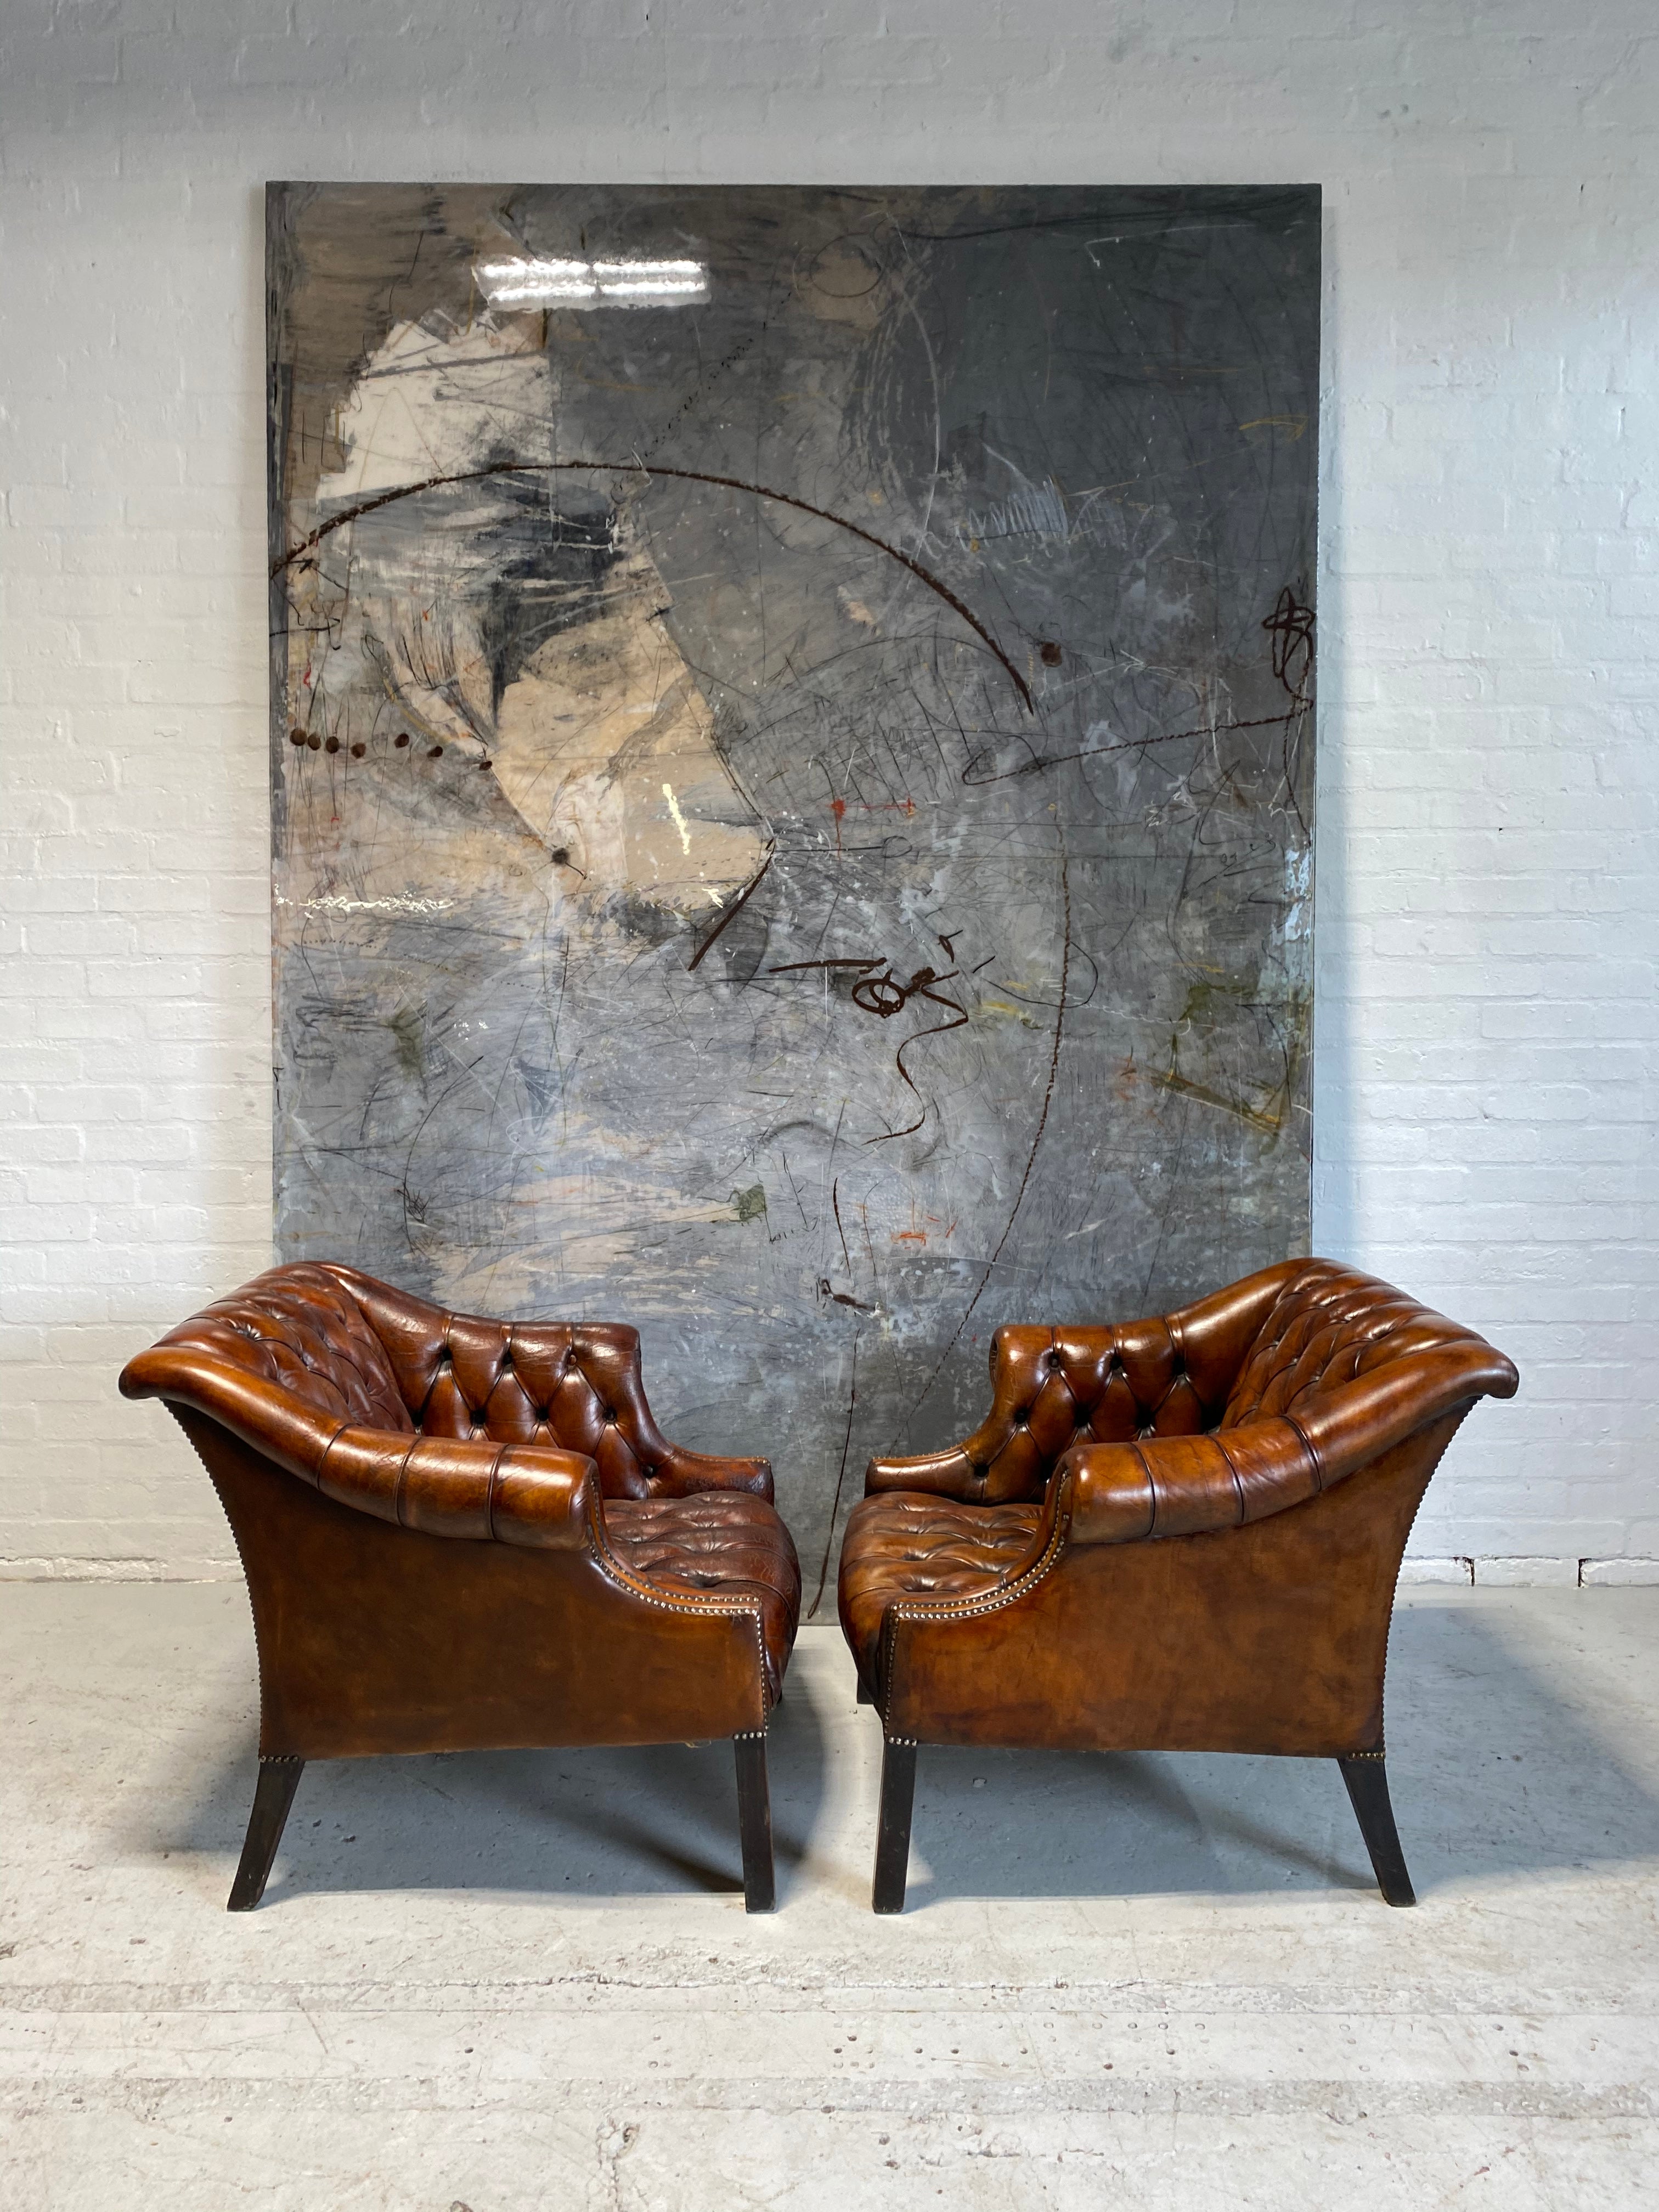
(1181, 1533)
(1273, 1344)
(902, 1547)
(715, 1542)
(347, 1424)
(435, 1420)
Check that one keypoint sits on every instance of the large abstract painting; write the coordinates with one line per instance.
(793, 770)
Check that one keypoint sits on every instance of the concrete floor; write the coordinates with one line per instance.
(506, 1981)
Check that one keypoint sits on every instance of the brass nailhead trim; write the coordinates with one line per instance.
(730, 1607)
(994, 1602)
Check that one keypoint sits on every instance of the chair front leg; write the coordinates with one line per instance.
(273, 1793)
(1367, 1778)
(898, 1790)
(755, 1824)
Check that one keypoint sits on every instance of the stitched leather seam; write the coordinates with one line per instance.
(259, 1649)
(317, 1478)
(1151, 1493)
(615, 1573)
(490, 1493)
(1238, 1487)
(1313, 1457)
(994, 1600)
(398, 1487)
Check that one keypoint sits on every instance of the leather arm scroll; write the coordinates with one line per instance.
(527, 1494)
(683, 1473)
(1181, 1486)
(942, 1473)
(522, 1494)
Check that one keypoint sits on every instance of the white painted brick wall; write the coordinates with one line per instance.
(1489, 610)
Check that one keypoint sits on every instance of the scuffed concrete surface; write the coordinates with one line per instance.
(516, 1981)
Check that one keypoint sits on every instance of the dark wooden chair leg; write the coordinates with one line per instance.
(1367, 1778)
(755, 1824)
(273, 1794)
(898, 1792)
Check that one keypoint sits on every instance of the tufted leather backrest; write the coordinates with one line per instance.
(1263, 1347)
(1326, 1326)
(336, 1342)
(1054, 1387)
(576, 1386)
(300, 1329)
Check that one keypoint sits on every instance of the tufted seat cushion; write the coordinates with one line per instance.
(906, 1545)
(715, 1544)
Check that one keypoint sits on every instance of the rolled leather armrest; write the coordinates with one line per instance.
(1180, 1485)
(525, 1494)
(528, 1494)
(682, 1473)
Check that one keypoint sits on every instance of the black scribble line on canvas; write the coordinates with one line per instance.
(1040, 760)
(686, 476)
(834, 1200)
(834, 1509)
(939, 1029)
(731, 914)
(1037, 1134)
(1291, 627)
(886, 996)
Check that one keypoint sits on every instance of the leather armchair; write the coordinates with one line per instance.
(1182, 1534)
(462, 1533)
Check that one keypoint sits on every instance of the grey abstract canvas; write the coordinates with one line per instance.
(793, 770)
